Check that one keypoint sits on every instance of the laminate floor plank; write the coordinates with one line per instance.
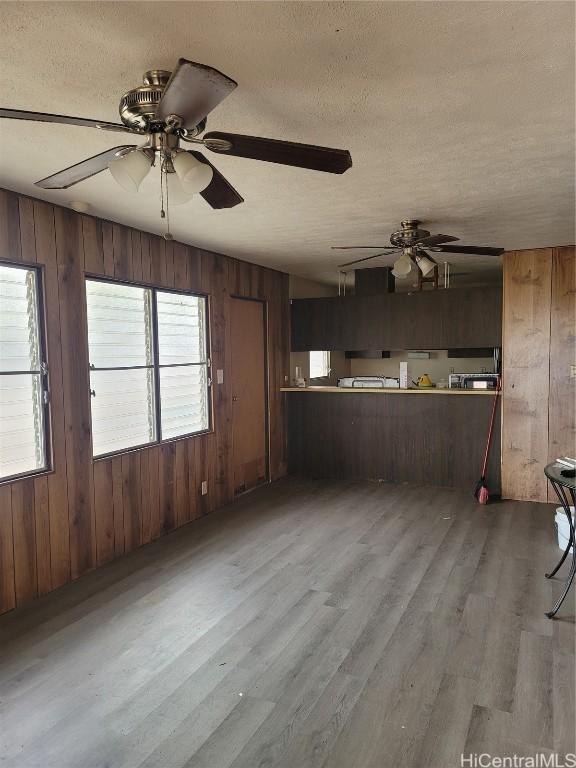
(310, 624)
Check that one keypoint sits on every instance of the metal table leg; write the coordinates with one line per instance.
(561, 493)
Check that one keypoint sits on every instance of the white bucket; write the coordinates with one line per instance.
(562, 527)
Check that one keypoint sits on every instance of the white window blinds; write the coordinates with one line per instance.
(319, 365)
(23, 375)
(183, 363)
(148, 365)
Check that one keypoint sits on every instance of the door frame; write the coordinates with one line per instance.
(264, 304)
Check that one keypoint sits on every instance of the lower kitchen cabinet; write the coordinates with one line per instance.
(417, 438)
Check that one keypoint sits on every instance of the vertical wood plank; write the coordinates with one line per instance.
(561, 404)
(131, 494)
(204, 502)
(168, 487)
(145, 503)
(194, 268)
(157, 254)
(193, 479)
(180, 266)
(57, 481)
(118, 499)
(24, 532)
(182, 512)
(154, 455)
(70, 256)
(7, 586)
(104, 506)
(93, 250)
(27, 234)
(525, 364)
(167, 265)
(10, 246)
(136, 271)
(42, 534)
(145, 256)
(122, 246)
(108, 248)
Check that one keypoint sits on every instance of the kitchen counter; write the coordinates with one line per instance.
(391, 390)
(428, 440)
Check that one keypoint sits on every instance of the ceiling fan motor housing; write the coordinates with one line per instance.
(408, 234)
(138, 106)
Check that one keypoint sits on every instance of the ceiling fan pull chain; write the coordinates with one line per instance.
(164, 208)
(167, 234)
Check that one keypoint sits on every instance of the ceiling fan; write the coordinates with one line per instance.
(411, 241)
(170, 108)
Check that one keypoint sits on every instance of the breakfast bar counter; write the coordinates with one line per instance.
(376, 434)
(392, 390)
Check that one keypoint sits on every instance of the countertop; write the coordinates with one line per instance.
(390, 391)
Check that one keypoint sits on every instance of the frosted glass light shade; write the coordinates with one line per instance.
(194, 175)
(177, 195)
(425, 265)
(403, 266)
(130, 170)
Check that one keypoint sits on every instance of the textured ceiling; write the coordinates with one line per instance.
(457, 113)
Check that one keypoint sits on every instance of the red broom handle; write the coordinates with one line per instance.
(492, 418)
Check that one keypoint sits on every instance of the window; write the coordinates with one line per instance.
(23, 375)
(148, 365)
(319, 365)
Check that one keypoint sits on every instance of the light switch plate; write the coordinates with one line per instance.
(573, 371)
(219, 376)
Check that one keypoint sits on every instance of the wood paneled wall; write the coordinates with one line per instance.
(539, 335)
(57, 526)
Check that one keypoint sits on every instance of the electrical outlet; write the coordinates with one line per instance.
(573, 371)
(204, 488)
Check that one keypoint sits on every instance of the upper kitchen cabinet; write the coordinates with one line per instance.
(314, 322)
(453, 318)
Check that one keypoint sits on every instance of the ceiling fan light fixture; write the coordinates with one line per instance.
(402, 266)
(194, 176)
(425, 264)
(177, 193)
(130, 170)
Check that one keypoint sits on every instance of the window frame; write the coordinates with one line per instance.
(43, 372)
(156, 366)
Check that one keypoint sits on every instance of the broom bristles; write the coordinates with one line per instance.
(483, 496)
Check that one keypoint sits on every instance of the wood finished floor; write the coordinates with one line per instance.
(311, 624)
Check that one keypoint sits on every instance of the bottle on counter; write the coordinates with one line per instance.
(299, 380)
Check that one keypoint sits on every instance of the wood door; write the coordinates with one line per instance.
(249, 444)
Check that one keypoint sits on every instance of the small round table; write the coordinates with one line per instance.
(565, 488)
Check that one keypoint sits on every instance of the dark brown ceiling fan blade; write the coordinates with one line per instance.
(354, 247)
(192, 92)
(219, 193)
(437, 240)
(89, 167)
(366, 258)
(472, 249)
(42, 117)
(282, 152)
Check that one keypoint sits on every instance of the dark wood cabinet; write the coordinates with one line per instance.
(454, 318)
(422, 438)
